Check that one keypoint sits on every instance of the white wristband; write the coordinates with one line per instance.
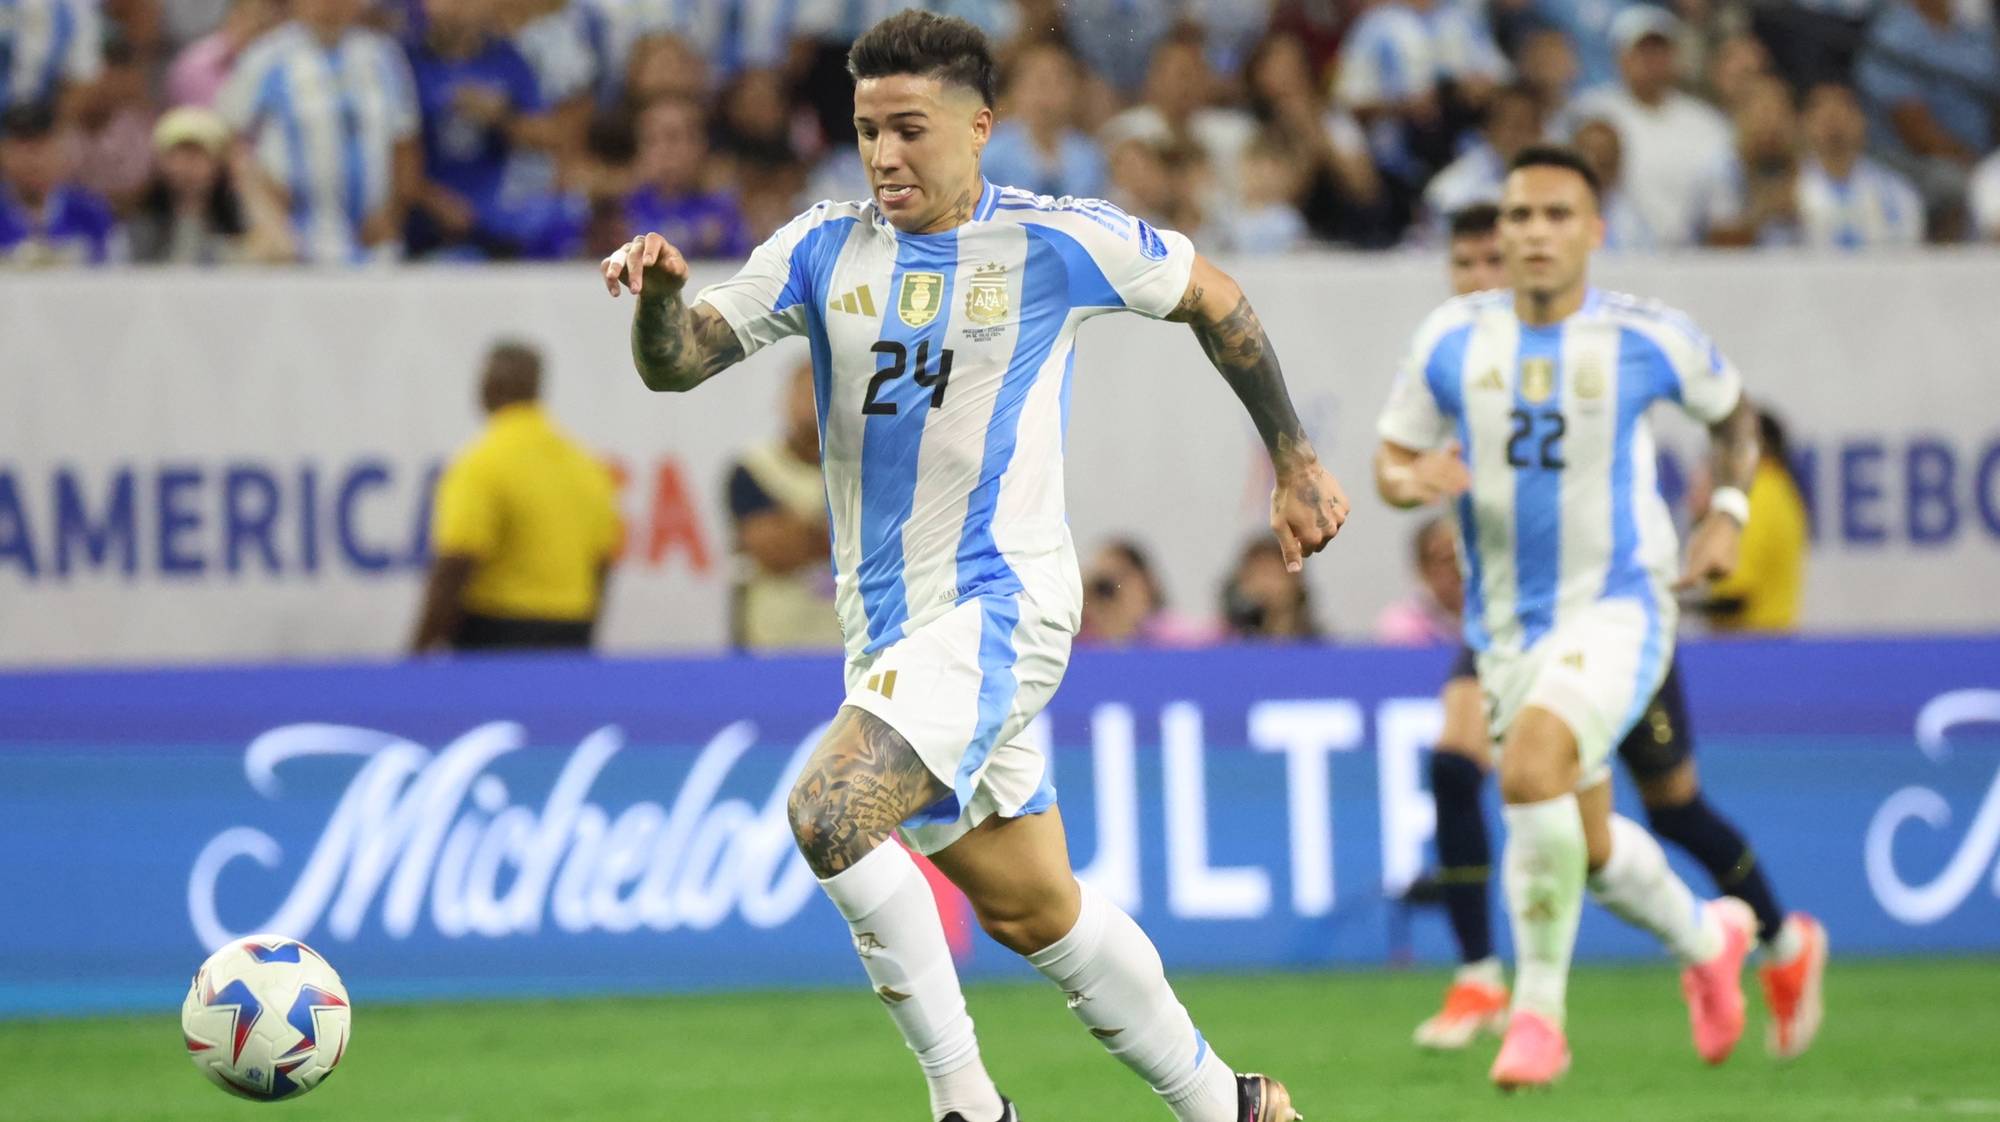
(1732, 502)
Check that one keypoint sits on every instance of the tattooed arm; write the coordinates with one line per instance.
(675, 347)
(1307, 506)
(1733, 453)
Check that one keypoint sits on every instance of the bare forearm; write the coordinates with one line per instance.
(677, 348)
(437, 620)
(1241, 351)
(1732, 447)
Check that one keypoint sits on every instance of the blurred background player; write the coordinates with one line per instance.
(1657, 752)
(958, 587)
(777, 501)
(1570, 554)
(523, 527)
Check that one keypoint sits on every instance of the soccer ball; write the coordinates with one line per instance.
(266, 1018)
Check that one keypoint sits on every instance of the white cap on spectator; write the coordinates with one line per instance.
(191, 125)
(1640, 22)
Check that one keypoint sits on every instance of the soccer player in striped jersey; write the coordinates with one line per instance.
(942, 316)
(1658, 753)
(1570, 562)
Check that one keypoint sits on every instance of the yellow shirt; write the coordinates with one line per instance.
(1771, 567)
(535, 511)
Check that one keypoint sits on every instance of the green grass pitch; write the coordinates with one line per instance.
(1904, 1040)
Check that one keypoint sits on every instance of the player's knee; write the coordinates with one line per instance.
(1534, 773)
(1676, 788)
(816, 828)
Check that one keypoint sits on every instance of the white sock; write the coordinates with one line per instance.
(1786, 944)
(1486, 972)
(1119, 990)
(1542, 871)
(1639, 887)
(900, 939)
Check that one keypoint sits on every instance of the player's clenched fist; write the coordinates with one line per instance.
(1307, 510)
(648, 260)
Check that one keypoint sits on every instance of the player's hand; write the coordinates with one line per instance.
(1711, 551)
(648, 260)
(1439, 474)
(1307, 510)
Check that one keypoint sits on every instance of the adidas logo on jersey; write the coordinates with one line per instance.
(883, 683)
(1490, 381)
(859, 302)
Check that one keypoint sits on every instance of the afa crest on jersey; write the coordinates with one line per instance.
(1538, 379)
(917, 301)
(986, 296)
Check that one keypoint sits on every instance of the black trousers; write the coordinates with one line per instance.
(498, 633)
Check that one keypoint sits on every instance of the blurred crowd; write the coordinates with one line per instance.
(211, 131)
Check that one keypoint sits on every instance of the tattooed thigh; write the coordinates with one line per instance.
(861, 781)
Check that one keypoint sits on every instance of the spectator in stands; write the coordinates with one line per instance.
(554, 37)
(1733, 70)
(1757, 203)
(523, 527)
(202, 68)
(672, 198)
(1037, 144)
(664, 66)
(1625, 228)
(1119, 39)
(190, 212)
(1388, 78)
(1931, 77)
(1764, 592)
(1513, 121)
(1262, 601)
(46, 218)
(330, 110)
(753, 124)
(1845, 199)
(114, 117)
(1812, 41)
(50, 52)
(481, 103)
(777, 502)
(1428, 616)
(1547, 65)
(1469, 62)
(1265, 218)
(1123, 604)
(1676, 148)
(1584, 24)
(1177, 110)
(1142, 184)
(1344, 197)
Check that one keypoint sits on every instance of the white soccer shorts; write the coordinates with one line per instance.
(962, 689)
(1595, 670)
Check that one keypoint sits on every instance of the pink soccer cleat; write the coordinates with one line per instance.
(1714, 989)
(1533, 1053)
(1470, 1009)
(1792, 990)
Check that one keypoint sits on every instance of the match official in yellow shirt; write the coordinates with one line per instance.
(523, 527)
(1763, 593)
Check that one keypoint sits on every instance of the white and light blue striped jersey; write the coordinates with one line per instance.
(1873, 207)
(1564, 509)
(45, 43)
(942, 365)
(326, 122)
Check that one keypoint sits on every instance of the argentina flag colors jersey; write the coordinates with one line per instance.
(942, 365)
(1564, 537)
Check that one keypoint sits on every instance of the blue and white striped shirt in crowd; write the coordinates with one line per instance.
(1564, 508)
(1461, 43)
(326, 122)
(1873, 207)
(942, 364)
(558, 49)
(45, 43)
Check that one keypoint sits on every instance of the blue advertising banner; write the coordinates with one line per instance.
(531, 825)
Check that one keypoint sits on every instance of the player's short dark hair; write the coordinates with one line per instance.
(928, 45)
(29, 120)
(1559, 156)
(1475, 221)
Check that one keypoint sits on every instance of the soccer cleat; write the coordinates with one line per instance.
(1006, 1113)
(1532, 1054)
(1792, 990)
(1469, 1010)
(1714, 989)
(1260, 1098)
